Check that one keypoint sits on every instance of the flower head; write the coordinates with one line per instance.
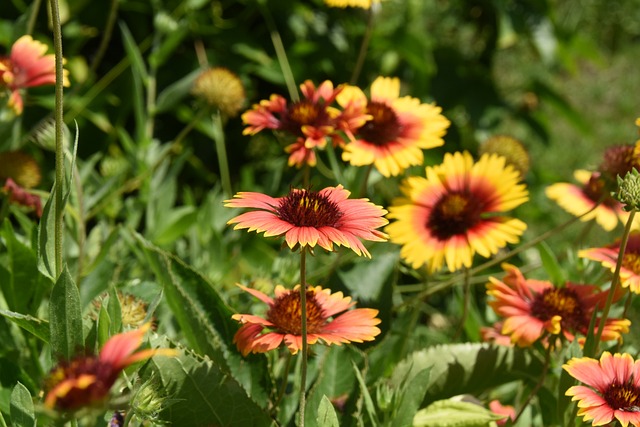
(307, 218)
(592, 195)
(311, 121)
(20, 167)
(608, 256)
(397, 131)
(510, 148)
(86, 380)
(629, 190)
(220, 88)
(364, 4)
(619, 160)
(612, 388)
(536, 308)
(324, 323)
(27, 66)
(454, 212)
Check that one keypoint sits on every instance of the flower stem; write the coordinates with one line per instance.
(31, 23)
(303, 315)
(221, 150)
(614, 284)
(465, 304)
(363, 49)
(285, 381)
(59, 187)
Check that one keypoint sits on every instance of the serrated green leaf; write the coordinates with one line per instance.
(327, 416)
(449, 413)
(65, 318)
(22, 412)
(38, 327)
(204, 394)
(467, 368)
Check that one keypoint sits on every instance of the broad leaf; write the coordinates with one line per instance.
(466, 368)
(65, 318)
(450, 413)
(204, 394)
(411, 397)
(327, 416)
(38, 327)
(22, 412)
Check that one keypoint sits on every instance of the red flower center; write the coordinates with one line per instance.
(454, 214)
(383, 127)
(561, 302)
(597, 191)
(632, 262)
(625, 397)
(304, 113)
(304, 208)
(286, 314)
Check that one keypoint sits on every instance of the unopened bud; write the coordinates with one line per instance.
(629, 190)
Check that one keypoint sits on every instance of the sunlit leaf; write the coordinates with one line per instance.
(449, 413)
(38, 327)
(327, 416)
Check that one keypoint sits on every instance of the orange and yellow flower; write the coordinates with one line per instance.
(591, 195)
(282, 322)
(612, 390)
(608, 256)
(310, 218)
(455, 212)
(27, 66)
(397, 131)
(86, 380)
(534, 309)
(312, 120)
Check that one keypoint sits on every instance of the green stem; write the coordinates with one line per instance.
(221, 150)
(59, 111)
(33, 15)
(333, 161)
(465, 304)
(106, 36)
(614, 283)
(285, 382)
(362, 54)
(365, 181)
(281, 53)
(536, 388)
(303, 315)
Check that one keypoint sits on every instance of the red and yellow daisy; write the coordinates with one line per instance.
(592, 193)
(454, 212)
(612, 390)
(608, 256)
(307, 218)
(27, 66)
(536, 308)
(398, 130)
(86, 380)
(312, 120)
(282, 321)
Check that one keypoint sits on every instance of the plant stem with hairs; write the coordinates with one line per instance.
(303, 316)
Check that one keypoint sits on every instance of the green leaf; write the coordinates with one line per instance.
(367, 278)
(38, 327)
(115, 311)
(133, 53)
(551, 265)
(368, 401)
(104, 326)
(450, 413)
(24, 287)
(205, 319)
(168, 46)
(411, 397)
(65, 318)
(22, 413)
(327, 416)
(175, 223)
(204, 394)
(466, 368)
(175, 92)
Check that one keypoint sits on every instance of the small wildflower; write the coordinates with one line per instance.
(612, 390)
(27, 66)
(511, 149)
(148, 401)
(324, 323)
(608, 256)
(629, 190)
(20, 196)
(307, 218)
(86, 380)
(222, 89)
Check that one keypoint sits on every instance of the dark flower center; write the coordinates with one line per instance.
(561, 302)
(301, 114)
(286, 314)
(383, 127)
(632, 262)
(617, 161)
(304, 208)
(454, 214)
(596, 190)
(624, 397)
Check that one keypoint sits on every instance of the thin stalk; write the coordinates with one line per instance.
(465, 304)
(221, 151)
(536, 388)
(285, 381)
(59, 111)
(615, 282)
(281, 53)
(33, 15)
(152, 88)
(364, 46)
(333, 161)
(303, 315)
(365, 181)
(106, 36)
